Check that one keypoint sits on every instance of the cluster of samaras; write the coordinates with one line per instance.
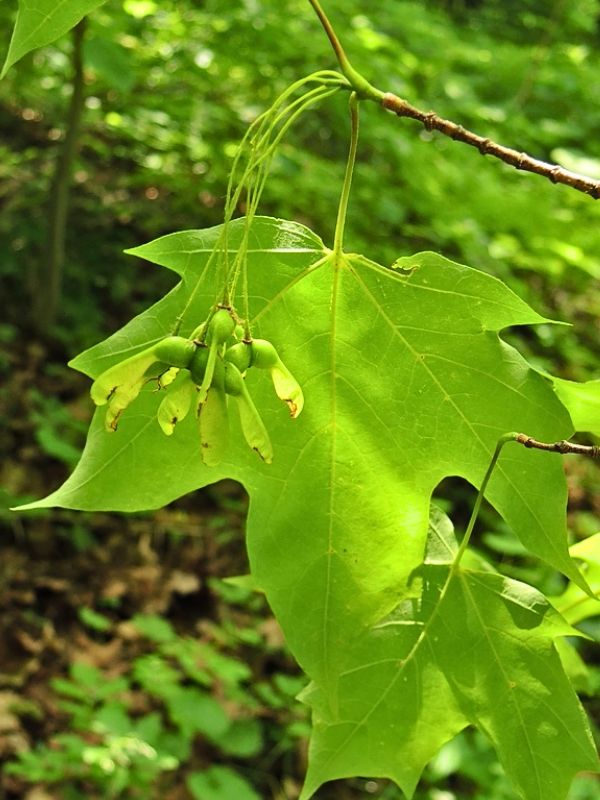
(202, 373)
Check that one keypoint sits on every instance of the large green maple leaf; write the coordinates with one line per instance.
(406, 382)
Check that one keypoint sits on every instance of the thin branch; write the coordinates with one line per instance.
(562, 447)
(431, 121)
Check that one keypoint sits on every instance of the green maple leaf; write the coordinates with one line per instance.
(574, 604)
(406, 381)
(475, 648)
(40, 22)
(582, 401)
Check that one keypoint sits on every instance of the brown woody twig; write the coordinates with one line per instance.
(563, 446)
(432, 121)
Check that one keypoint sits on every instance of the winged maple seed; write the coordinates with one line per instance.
(205, 373)
(262, 354)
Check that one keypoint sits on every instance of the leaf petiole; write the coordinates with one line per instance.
(507, 437)
(358, 83)
(563, 447)
(338, 240)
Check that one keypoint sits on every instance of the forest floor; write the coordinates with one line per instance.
(70, 583)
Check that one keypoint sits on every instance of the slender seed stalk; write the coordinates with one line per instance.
(261, 166)
(259, 136)
(268, 120)
(264, 143)
(338, 240)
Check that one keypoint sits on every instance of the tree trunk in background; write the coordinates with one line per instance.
(50, 271)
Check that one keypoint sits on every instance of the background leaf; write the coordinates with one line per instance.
(574, 604)
(40, 22)
(583, 403)
(220, 783)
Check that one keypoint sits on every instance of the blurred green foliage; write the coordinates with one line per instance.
(170, 89)
(172, 86)
(127, 731)
(193, 712)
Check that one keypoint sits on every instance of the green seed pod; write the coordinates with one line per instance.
(264, 355)
(198, 333)
(219, 330)
(197, 365)
(234, 383)
(220, 327)
(175, 351)
(175, 406)
(239, 354)
(287, 388)
(214, 427)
